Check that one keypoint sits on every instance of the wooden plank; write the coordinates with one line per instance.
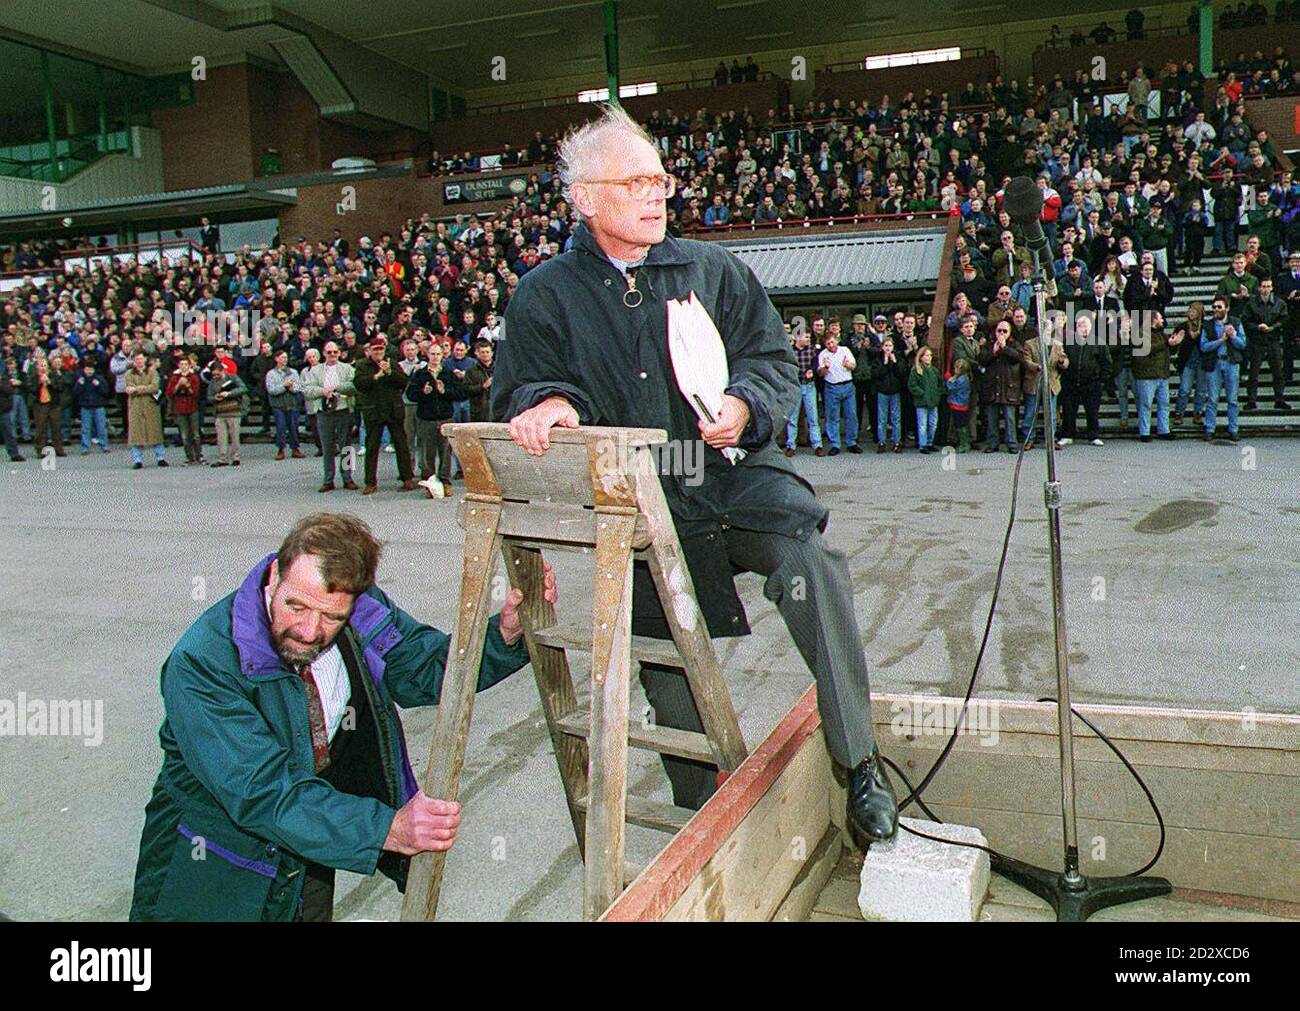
(493, 431)
(752, 873)
(1239, 802)
(661, 884)
(526, 572)
(479, 478)
(1251, 730)
(558, 475)
(1204, 758)
(545, 522)
(611, 461)
(665, 740)
(568, 635)
(1231, 862)
(611, 664)
(672, 579)
(655, 814)
(451, 722)
(811, 879)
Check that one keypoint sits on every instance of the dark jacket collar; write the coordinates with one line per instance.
(251, 627)
(669, 252)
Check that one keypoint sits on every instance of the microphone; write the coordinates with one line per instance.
(1023, 202)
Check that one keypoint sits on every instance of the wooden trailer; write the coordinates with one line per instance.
(770, 844)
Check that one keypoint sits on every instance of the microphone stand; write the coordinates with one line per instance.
(1071, 895)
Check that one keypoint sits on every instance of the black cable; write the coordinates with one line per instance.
(914, 794)
(1160, 847)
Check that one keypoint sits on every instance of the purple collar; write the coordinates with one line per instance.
(251, 628)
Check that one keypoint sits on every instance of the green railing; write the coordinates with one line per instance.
(71, 155)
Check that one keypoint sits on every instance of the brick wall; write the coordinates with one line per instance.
(381, 205)
(209, 141)
(1281, 118)
(242, 110)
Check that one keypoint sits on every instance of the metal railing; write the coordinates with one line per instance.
(71, 155)
(844, 219)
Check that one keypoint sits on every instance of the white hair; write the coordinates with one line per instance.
(582, 147)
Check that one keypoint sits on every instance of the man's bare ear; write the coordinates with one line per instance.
(583, 200)
(273, 578)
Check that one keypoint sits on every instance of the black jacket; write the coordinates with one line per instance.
(568, 333)
(432, 406)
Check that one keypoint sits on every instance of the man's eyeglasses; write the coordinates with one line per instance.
(641, 187)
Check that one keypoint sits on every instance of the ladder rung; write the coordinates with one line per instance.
(551, 525)
(568, 636)
(665, 740)
(651, 813)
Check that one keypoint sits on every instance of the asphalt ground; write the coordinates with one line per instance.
(1180, 586)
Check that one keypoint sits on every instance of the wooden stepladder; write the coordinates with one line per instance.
(595, 489)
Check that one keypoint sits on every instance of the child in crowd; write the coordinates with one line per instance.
(958, 384)
(927, 395)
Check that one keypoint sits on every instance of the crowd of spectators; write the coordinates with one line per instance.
(1230, 18)
(1115, 187)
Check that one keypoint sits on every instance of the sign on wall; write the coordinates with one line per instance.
(493, 187)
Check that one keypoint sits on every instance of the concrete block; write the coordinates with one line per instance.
(911, 879)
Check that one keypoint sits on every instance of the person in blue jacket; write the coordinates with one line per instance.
(1223, 350)
(283, 754)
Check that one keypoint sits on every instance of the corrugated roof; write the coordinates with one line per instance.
(862, 261)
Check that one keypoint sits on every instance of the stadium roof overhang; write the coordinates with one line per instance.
(866, 261)
(152, 206)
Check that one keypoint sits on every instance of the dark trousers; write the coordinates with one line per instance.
(1089, 396)
(435, 451)
(286, 428)
(992, 412)
(317, 895)
(336, 437)
(7, 434)
(1262, 346)
(810, 585)
(191, 436)
(375, 425)
(863, 394)
(45, 428)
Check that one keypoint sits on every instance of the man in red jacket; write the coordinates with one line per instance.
(183, 391)
(1051, 207)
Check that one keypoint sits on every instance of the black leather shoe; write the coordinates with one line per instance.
(872, 808)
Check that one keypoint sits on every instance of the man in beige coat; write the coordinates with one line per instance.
(330, 386)
(144, 419)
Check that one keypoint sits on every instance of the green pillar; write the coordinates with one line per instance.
(1206, 37)
(50, 132)
(101, 102)
(611, 50)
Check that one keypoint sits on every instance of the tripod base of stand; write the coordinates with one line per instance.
(1074, 905)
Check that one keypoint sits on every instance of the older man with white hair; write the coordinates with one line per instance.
(586, 343)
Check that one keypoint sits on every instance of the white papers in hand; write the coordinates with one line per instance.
(699, 360)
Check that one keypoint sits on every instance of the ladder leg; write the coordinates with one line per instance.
(611, 663)
(554, 679)
(677, 594)
(451, 725)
